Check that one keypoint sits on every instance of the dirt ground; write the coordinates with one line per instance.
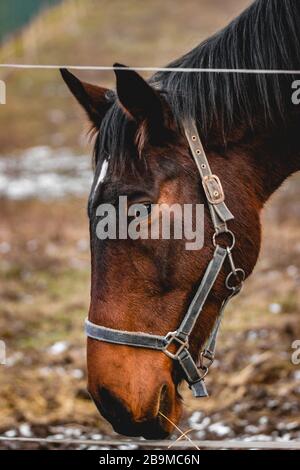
(44, 269)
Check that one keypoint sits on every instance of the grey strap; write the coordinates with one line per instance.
(203, 291)
(126, 338)
(194, 375)
(212, 185)
(212, 340)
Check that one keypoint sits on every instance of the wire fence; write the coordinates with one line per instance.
(166, 444)
(151, 69)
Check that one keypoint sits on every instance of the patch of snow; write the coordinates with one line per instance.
(251, 429)
(45, 173)
(127, 447)
(195, 417)
(275, 308)
(25, 430)
(297, 375)
(220, 429)
(57, 436)
(77, 373)
(10, 433)
(58, 347)
(285, 438)
(96, 437)
(72, 432)
(202, 425)
(263, 420)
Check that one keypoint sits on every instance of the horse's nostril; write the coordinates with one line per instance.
(112, 406)
(164, 402)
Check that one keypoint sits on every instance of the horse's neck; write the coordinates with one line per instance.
(275, 156)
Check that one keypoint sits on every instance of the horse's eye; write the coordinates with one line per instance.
(138, 210)
(148, 207)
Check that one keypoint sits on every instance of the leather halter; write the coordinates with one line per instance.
(179, 339)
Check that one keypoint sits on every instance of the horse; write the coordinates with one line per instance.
(249, 129)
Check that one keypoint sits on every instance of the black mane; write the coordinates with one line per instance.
(264, 36)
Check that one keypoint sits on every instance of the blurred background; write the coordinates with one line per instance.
(45, 173)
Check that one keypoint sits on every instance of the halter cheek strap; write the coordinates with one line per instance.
(211, 183)
(175, 344)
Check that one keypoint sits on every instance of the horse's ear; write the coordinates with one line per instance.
(137, 97)
(93, 99)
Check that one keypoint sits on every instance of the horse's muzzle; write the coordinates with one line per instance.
(150, 425)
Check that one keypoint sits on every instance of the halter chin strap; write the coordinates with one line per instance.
(176, 343)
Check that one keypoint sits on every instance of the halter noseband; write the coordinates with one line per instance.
(220, 214)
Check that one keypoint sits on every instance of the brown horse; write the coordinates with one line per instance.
(250, 130)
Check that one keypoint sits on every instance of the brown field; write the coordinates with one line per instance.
(44, 248)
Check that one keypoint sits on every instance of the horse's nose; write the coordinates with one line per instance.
(131, 422)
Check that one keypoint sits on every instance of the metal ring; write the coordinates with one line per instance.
(235, 274)
(229, 232)
(205, 372)
(205, 356)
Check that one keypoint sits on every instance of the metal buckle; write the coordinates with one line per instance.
(170, 338)
(213, 189)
